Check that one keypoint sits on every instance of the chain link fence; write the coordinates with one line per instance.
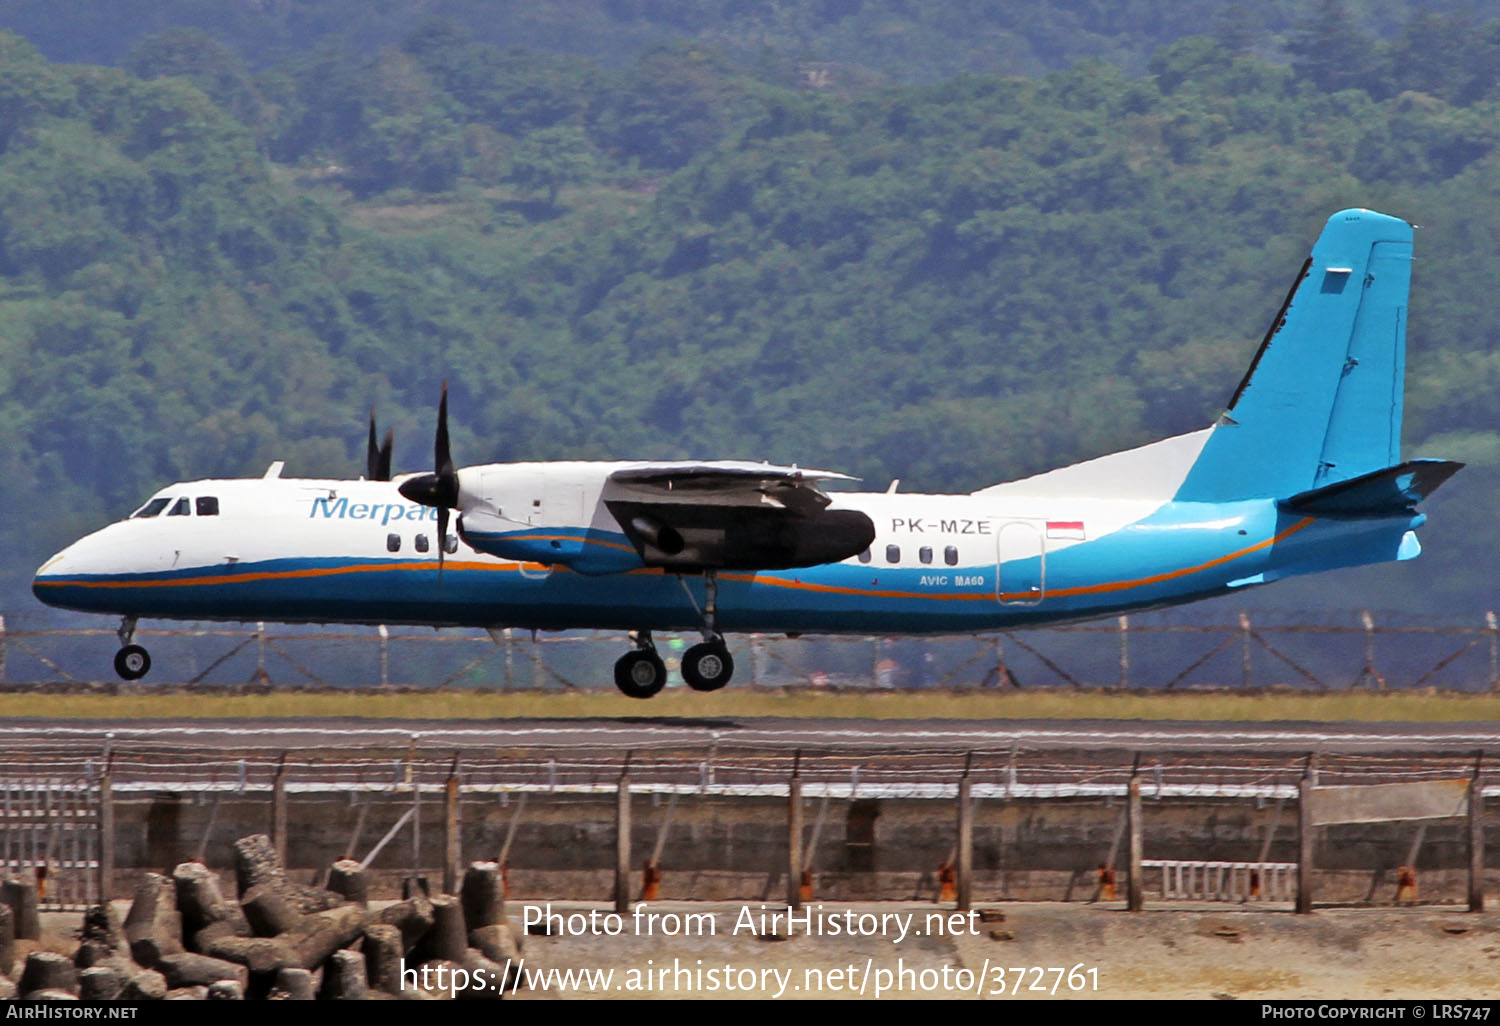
(1148, 651)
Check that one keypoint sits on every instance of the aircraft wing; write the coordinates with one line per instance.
(732, 514)
(730, 482)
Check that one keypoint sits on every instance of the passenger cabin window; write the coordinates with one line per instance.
(207, 506)
(151, 508)
(422, 543)
(864, 557)
(450, 544)
(950, 555)
(393, 543)
(925, 553)
(893, 553)
(180, 508)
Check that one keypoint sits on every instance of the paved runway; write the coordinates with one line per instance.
(864, 735)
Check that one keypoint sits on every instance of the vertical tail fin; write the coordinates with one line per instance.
(1322, 400)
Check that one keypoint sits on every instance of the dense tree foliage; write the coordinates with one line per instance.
(206, 263)
(866, 40)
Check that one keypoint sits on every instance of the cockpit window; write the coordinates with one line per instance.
(179, 509)
(207, 505)
(151, 508)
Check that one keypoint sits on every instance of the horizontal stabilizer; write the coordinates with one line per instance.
(1387, 492)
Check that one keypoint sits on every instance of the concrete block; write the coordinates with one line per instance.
(256, 862)
(294, 984)
(498, 943)
(383, 952)
(483, 894)
(188, 970)
(47, 970)
(226, 990)
(146, 985)
(153, 927)
(20, 895)
(269, 910)
(447, 940)
(257, 954)
(100, 983)
(198, 993)
(49, 995)
(347, 878)
(7, 940)
(344, 977)
(323, 933)
(202, 902)
(486, 978)
(412, 916)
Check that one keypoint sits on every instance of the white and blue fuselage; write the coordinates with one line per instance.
(1026, 553)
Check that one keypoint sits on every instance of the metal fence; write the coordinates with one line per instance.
(699, 808)
(49, 833)
(1358, 649)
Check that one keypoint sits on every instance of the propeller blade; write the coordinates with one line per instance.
(385, 454)
(442, 459)
(440, 488)
(372, 453)
(378, 457)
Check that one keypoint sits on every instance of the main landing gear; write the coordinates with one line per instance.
(132, 662)
(707, 666)
(640, 673)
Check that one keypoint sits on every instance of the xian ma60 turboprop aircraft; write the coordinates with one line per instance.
(1302, 473)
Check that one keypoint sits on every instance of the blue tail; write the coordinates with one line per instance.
(1321, 403)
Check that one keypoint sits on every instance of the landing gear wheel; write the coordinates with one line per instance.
(708, 666)
(132, 662)
(640, 673)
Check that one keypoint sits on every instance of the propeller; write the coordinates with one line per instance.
(378, 458)
(440, 488)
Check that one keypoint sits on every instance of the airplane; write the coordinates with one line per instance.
(1302, 473)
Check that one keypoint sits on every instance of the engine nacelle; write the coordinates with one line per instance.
(710, 537)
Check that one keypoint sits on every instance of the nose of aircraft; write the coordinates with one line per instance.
(70, 578)
(47, 584)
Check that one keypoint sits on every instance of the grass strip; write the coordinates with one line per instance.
(1405, 706)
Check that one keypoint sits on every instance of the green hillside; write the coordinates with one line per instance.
(206, 264)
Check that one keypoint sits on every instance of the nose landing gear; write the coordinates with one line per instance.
(132, 662)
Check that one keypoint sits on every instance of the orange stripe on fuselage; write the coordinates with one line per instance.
(1139, 582)
(1086, 589)
(775, 582)
(287, 575)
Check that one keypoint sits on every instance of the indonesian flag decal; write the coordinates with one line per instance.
(1071, 529)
